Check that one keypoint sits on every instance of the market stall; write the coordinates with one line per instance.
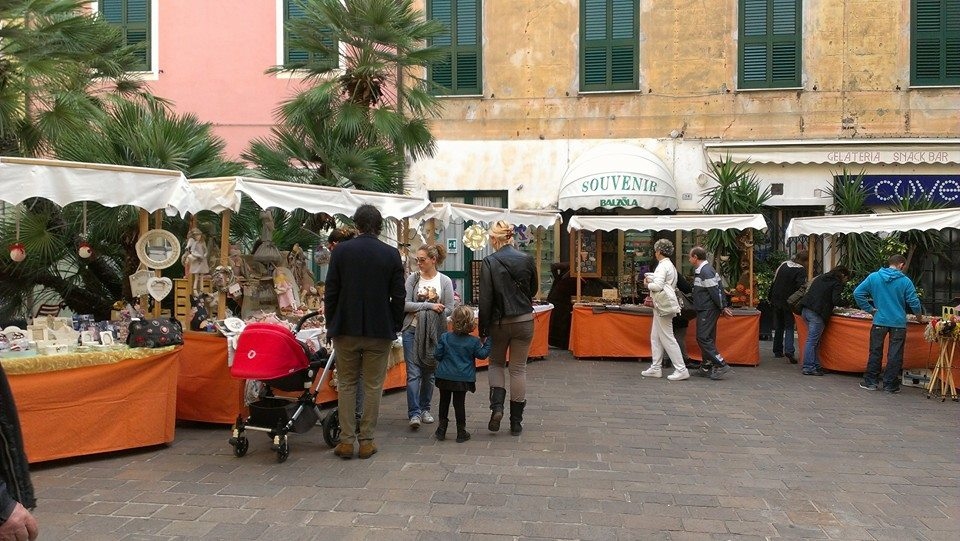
(85, 403)
(600, 332)
(612, 329)
(208, 392)
(844, 346)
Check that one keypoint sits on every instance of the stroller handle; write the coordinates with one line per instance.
(304, 319)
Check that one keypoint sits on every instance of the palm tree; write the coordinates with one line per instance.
(366, 107)
(59, 65)
(142, 134)
(737, 191)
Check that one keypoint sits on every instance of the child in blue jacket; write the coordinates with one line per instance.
(456, 373)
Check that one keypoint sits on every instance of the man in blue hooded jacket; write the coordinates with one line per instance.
(886, 293)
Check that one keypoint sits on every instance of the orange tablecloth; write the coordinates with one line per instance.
(845, 346)
(205, 389)
(626, 334)
(96, 409)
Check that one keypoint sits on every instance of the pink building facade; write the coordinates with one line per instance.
(209, 57)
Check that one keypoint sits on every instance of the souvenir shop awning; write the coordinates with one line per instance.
(678, 222)
(219, 194)
(447, 212)
(921, 220)
(109, 185)
(926, 151)
(617, 175)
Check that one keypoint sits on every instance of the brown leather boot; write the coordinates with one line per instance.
(367, 449)
(344, 451)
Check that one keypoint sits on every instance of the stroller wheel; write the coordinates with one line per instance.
(331, 428)
(241, 446)
(283, 451)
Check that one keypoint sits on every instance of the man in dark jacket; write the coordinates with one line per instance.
(824, 293)
(16, 490)
(789, 277)
(363, 306)
(709, 302)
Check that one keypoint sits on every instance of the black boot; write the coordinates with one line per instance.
(497, 396)
(441, 433)
(462, 434)
(516, 417)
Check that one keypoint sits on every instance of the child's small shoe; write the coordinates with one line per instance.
(462, 434)
(441, 433)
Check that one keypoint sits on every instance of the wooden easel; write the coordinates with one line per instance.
(943, 371)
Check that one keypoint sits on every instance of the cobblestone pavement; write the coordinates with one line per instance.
(604, 455)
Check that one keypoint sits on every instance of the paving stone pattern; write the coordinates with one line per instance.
(605, 454)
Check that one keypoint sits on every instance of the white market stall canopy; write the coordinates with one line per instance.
(617, 175)
(109, 185)
(922, 220)
(447, 212)
(677, 222)
(220, 194)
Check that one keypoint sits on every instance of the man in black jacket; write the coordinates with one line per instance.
(788, 278)
(363, 306)
(16, 490)
(709, 302)
(818, 302)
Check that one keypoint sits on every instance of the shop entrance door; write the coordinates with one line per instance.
(458, 265)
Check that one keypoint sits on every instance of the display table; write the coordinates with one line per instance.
(627, 334)
(95, 407)
(206, 391)
(845, 345)
(541, 331)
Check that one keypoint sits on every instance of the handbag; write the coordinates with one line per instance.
(154, 333)
(687, 311)
(795, 300)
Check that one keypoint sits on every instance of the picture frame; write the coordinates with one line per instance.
(158, 249)
(590, 254)
(453, 246)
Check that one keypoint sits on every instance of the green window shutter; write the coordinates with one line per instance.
(770, 43)
(460, 71)
(609, 53)
(133, 18)
(293, 9)
(935, 42)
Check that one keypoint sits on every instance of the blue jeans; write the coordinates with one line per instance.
(815, 326)
(891, 376)
(782, 331)
(419, 380)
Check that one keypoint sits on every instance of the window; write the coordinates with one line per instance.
(293, 9)
(459, 72)
(770, 47)
(133, 18)
(935, 42)
(609, 38)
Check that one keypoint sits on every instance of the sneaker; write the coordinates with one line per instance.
(719, 371)
(892, 390)
(790, 357)
(415, 422)
(426, 418)
(814, 372)
(679, 375)
(869, 387)
(652, 373)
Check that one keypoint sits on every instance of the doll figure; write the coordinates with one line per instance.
(297, 261)
(285, 289)
(195, 258)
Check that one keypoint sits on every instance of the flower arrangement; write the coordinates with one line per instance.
(942, 328)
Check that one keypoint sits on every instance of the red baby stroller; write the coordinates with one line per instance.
(272, 355)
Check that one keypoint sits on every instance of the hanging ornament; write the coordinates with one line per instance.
(84, 250)
(17, 252)
(475, 237)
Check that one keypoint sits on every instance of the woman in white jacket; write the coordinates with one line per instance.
(662, 285)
